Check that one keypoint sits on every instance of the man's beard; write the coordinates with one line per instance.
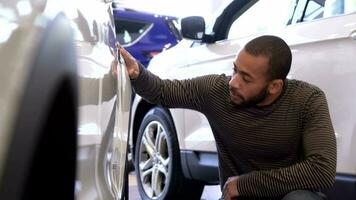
(256, 99)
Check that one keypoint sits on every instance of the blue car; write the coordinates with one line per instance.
(143, 34)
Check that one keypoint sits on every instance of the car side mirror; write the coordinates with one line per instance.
(193, 27)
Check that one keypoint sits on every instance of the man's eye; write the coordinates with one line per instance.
(234, 70)
(246, 80)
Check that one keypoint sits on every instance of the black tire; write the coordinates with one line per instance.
(41, 155)
(161, 160)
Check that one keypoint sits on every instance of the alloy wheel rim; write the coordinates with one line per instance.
(114, 174)
(154, 160)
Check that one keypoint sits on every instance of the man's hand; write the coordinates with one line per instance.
(230, 189)
(130, 62)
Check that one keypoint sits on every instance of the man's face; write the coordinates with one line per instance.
(249, 82)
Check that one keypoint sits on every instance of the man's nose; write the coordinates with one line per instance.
(235, 81)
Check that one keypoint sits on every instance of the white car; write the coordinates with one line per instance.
(322, 37)
(64, 118)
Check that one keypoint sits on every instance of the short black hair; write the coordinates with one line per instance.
(278, 52)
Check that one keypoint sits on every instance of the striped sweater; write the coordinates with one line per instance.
(286, 146)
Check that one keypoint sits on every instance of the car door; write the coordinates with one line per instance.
(104, 104)
(321, 35)
(323, 40)
(214, 58)
(91, 71)
(262, 17)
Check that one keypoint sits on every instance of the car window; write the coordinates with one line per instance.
(129, 31)
(339, 7)
(265, 15)
(316, 9)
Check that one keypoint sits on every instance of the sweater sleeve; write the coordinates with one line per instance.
(317, 168)
(189, 93)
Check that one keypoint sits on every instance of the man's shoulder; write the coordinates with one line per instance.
(303, 88)
(222, 79)
(215, 83)
(216, 79)
(302, 94)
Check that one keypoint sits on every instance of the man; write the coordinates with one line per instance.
(274, 136)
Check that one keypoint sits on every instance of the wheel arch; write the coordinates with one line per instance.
(143, 107)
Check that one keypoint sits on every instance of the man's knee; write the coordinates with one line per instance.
(302, 195)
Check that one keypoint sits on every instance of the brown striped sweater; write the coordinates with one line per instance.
(286, 146)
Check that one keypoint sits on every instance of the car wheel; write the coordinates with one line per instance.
(116, 172)
(157, 160)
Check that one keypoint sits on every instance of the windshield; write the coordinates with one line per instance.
(210, 20)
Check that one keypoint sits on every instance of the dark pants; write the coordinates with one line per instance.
(303, 195)
(294, 195)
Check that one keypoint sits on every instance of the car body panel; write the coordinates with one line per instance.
(104, 105)
(332, 70)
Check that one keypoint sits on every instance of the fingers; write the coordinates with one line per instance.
(227, 196)
(114, 68)
(128, 58)
(225, 193)
(112, 52)
(126, 55)
(118, 46)
(130, 62)
(226, 189)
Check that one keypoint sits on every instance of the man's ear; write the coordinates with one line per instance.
(275, 86)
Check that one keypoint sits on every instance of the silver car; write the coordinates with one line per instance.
(64, 117)
(322, 36)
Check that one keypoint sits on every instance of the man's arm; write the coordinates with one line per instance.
(190, 93)
(317, 169)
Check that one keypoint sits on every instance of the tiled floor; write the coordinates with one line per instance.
(210, 192)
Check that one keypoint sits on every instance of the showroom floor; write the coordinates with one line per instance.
(210, 192)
